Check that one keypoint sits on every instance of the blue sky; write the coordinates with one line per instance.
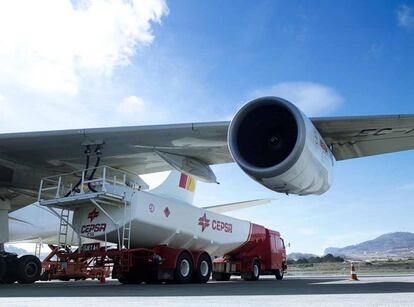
(152, 62)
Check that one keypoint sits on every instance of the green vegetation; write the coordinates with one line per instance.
(312, 260)
(371, 267)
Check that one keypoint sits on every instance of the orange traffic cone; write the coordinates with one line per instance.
(353, 272)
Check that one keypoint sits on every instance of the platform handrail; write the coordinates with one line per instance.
(63, 183)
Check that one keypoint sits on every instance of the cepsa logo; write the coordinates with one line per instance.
(90, 229)
(222, 226)
(93, 214)
(217, 225)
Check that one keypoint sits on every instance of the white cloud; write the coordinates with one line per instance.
(405, 16)
(47, 45)
(131, 105)
(135, 109)
(312, 98)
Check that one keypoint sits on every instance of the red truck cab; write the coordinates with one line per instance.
(264, 253)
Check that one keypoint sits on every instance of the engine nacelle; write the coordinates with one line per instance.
(278, 146)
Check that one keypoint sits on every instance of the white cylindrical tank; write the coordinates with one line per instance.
(157, 220)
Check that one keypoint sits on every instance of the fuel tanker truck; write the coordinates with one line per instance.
(123, 229)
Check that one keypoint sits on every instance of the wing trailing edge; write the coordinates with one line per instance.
(238, 205)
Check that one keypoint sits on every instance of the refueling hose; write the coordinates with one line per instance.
(87, 152)
(98, 160)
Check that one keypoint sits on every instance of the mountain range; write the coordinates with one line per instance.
(391, 245)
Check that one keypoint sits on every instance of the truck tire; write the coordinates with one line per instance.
(133, 277)
(151, 277)
(183, 271)
(217, 276)
(254, 274)
(2, 267)
(129, 278)
(29, 268)
(9, 276)
(203, 272)
(126, 279)
(279, 274)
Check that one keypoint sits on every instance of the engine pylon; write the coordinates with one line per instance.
(353, 272)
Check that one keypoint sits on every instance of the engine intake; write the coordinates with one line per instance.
(265, 135)
(268, 138)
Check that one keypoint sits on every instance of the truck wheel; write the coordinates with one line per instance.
(217, 276)
(29, 268)
(279, 274)
(9, 276)
(125, 279)
(184, 268)
(128, 278)
(133, 277)
(151, 277)
(2, 267)
(254, 274)
(203, 271)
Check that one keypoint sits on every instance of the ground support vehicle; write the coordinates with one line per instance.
(263, 254)
(145, 236)
(129, 266)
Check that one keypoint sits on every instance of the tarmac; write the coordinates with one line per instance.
(291, 291)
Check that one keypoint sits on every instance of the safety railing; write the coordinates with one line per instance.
(89, 180)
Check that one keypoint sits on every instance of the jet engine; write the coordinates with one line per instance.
(278, 146)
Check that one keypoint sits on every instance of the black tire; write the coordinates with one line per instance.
(151, 276)
(203, 272)
(184, 267)
(254, 274)
(279, 274)
(9, 276)
(125, 278)
(29, 269)
(130, 278)
(221, 276)
(3, 267)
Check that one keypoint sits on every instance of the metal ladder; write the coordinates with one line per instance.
(63, 228)
(126, 229)
(38, 249)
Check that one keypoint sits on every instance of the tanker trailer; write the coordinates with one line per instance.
(159, 235)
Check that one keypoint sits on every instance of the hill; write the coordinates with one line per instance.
(390, 245)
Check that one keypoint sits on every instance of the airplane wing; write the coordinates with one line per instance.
(129, 148)
(26, 157)
(361, 136)
(135, 148)
(237, 206)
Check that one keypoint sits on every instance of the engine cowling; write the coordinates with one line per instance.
(278, 146)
